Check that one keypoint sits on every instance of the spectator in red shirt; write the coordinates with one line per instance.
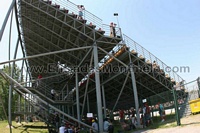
(121, 115)
(39, 79)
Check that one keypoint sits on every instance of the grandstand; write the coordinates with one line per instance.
(90, 70)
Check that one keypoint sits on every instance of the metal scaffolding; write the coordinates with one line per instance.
(91, 71)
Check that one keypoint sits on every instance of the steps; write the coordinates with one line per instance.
(184, 108)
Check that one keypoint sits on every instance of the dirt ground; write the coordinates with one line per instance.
(190, 124)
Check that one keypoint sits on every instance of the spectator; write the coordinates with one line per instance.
(121, 115)
(144, 116)
(111, 117)
(141, 120)
(17, 119)
(38, 80)
(114, 32)
(57, 120)
(106, 125)
(133, 122)
(147, 114)
(70, 128)
(53, 94)
(111, 127)
(80, 12)
(155, 66)
(62, 128)
(111, 29)
(133, 111)
(77, 129)
(95, 126)
(161, 112)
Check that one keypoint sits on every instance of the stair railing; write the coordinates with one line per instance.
(142, 52)
(91, 18)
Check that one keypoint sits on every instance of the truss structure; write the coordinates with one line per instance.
(90, 70)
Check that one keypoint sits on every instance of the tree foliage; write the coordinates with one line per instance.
(4, 90)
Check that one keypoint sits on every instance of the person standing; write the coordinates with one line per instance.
(114, 31)
(147, 114)
(121, 115)
(161, 112)
(144, 116)
(111, 29)
(133, 122)
(52, 94)
(80, 11)
(38, 80)
(62, 128)
(106, 125)
(57, 120)
(95, 126)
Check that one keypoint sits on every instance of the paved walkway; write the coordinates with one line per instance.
(189, 124)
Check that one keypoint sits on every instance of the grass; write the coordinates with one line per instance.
(30, 127)
(170, 122)
(39, 127)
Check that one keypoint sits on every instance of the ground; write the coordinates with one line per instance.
(190, 124)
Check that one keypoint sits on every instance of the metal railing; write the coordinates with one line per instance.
(193, 89)
(45, 88)
(112, 52)
(68, 5)
(150, 58)
(108, 31)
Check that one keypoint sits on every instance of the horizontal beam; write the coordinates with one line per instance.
(41, 100)
(44, 54)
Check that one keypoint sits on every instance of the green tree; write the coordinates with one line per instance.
(4, 90)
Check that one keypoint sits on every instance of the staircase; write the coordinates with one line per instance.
(51, 27)
(184, 108)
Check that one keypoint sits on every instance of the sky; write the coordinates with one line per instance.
(170, 29)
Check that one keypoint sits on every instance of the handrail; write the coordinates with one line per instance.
(142, 52)
(91, 18)
(107, 30)
(43, 101)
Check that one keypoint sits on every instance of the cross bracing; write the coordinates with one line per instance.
(98, 67)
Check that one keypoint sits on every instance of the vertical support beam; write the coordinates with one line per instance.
(63, 109)
(11, 85)
(198, 83)
(26, 76)
(98, 89)
(25, 110)
(176, 108)
(73, 111)
(11, 74)
(121, 91)
(135, 92)
(10, 105)
(68, 110)
(21, 75)
(86, 88)
(48, 114)
(29, 103)
(85, 96)
(77, 96)
(88, 104)
(104, 101)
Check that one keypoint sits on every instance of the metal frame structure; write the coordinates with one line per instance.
(86, 66)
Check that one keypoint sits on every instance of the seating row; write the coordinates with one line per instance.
(75, 16)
